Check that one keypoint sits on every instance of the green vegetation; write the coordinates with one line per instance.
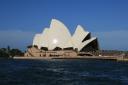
(4, 53)
(44, 48)
(9, 53)
(30, 46)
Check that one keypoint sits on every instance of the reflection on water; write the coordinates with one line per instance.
(63, 72)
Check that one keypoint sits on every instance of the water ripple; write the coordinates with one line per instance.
(63, 72)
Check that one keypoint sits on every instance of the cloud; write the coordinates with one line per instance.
(16, 39)
(113, 40)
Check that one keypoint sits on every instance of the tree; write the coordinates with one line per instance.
(3, 53)
(30, 46)
(44, 48)
(35, 46)
(57, 49)
(15, 52)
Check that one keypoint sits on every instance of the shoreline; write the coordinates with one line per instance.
(78, 57)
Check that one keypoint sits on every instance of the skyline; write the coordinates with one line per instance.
(107, 20)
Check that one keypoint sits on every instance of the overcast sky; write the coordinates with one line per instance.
(106, 19)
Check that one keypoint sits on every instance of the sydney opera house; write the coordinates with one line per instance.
(57, 38)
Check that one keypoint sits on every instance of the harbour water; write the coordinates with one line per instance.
(63, 72)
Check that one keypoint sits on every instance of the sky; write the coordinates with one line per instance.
(20, 20)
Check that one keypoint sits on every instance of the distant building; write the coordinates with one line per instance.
(57, 41)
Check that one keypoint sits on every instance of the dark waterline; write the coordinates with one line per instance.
(63, 72)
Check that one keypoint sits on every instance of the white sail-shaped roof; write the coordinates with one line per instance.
(37, 40)
(78, 36)
(58, 35)
(44, 38)
(86, 43)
